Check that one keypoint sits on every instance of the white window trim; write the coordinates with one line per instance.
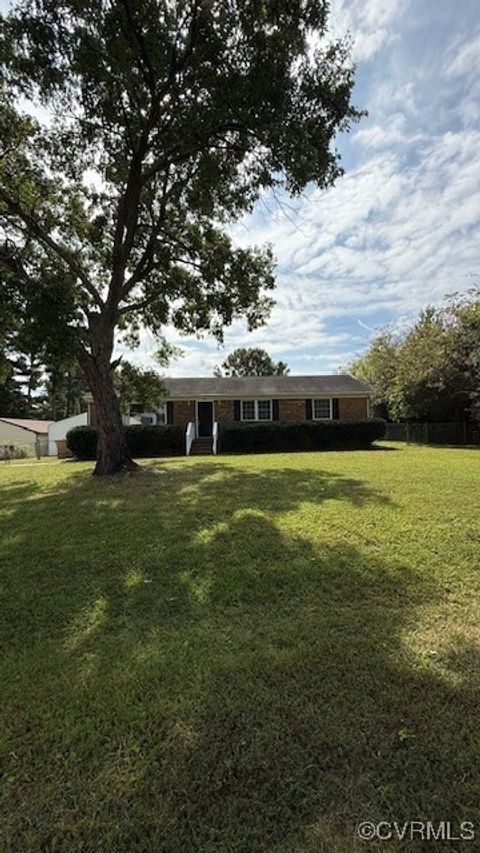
(256, 418)
(312, 403)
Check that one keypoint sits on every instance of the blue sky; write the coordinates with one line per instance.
(402, 227)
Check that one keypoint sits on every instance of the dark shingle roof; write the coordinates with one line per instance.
(236, 387)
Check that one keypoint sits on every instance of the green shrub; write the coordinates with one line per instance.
(142, 440)
(19, 451)
(82, 441)
(150, 440)
(307, 435)
(22, 452)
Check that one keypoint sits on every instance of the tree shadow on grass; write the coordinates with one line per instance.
(193, 671)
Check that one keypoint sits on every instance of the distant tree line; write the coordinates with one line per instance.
(31, 389)
(430, 371)
(33, 384)
(39, 377)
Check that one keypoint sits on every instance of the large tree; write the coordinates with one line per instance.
(462, 316)
(427, 385)
(378, 368)
(430, 371)
(251, 361)
(157, 124)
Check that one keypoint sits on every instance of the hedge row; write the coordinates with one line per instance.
(142, 440)
(307, 435)
(148, 440)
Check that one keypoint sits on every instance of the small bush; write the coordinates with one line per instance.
(307, 435)
(19, 451)
(142, 440)
(82, 441)
(22, 452)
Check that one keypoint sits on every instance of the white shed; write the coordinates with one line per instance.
(58, 430)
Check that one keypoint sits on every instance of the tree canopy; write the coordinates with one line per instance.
(141, 386)
(156, 124)
(253, 361)
(431, 371)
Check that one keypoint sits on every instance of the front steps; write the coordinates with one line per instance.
(202, 446)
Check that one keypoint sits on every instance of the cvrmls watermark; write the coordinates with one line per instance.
(416, 830)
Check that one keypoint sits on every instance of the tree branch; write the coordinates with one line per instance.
(64, 254)
(136, 306)
(146, 261)
(145, 65)
(200, 144)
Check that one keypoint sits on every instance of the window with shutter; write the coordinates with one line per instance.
(322, 409)
(256, 410)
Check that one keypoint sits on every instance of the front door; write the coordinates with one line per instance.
(205, 418)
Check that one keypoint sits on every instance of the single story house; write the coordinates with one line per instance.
(22, 434)
(198, 405)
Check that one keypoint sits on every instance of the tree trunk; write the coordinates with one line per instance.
(112, 453)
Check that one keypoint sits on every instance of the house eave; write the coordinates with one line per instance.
(277, 396)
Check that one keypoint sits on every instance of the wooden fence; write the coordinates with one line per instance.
(431, 433)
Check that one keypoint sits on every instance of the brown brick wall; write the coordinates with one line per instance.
(352, 408)
(224, 411)
(183, 412)
(291, 411)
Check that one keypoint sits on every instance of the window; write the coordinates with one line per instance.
(264, 410)
(321, 409)
(256, 410)
(248, 410)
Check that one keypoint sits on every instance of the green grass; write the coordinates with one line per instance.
(241, 653)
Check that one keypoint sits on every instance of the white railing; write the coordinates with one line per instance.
(189, 436)
(215, 438)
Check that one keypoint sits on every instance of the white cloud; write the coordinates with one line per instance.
(462, 68)
(371, 22)
(381, 136)
(393, 132)
(464, 59)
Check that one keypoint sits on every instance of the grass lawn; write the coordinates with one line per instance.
(239, 654)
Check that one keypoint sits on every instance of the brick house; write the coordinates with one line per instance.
(199, 405)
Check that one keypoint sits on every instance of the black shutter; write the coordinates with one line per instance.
(335, 414)
(236, 410)
(169, 412)
(275, 410)
(308, 410)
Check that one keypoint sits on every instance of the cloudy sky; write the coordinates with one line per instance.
(402, 227)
